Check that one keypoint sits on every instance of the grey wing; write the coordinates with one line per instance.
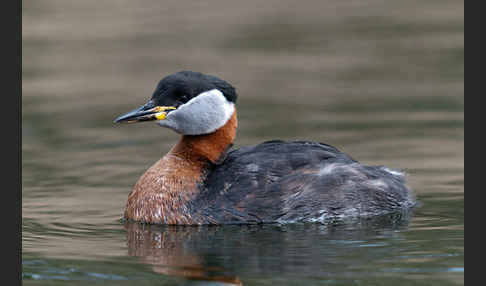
(279, 181)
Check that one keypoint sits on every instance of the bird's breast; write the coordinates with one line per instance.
(163, 193)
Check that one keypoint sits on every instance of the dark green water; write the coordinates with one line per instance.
(381, 80)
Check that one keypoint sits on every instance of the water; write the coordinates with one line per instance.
(381, 80)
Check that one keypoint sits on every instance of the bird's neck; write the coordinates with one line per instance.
(207, 147)
(162, 193)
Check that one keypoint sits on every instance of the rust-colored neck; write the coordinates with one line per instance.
(163, 191)
(208, 146)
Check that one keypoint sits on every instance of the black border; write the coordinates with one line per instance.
(12, 79)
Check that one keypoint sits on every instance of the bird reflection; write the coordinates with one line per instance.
(218, 255)
(170, 251)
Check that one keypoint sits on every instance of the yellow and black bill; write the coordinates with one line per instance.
(147, 112)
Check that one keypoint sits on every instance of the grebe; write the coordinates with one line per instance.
(200, 181)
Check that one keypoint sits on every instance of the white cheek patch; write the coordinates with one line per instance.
(203, 114)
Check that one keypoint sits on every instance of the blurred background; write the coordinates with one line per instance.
(381, 80)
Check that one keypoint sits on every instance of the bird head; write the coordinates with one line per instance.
(187, 102)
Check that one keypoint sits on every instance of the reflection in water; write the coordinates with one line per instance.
(170, 251)
(198, 253)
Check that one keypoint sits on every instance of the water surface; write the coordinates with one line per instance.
(381, 80)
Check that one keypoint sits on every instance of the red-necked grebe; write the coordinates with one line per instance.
(201, 181)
